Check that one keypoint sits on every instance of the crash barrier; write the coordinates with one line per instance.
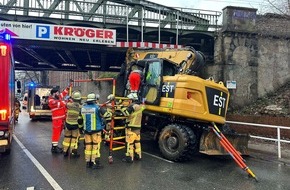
(278, 139)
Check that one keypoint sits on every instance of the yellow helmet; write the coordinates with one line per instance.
(76, 95)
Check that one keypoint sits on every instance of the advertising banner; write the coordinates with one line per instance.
(60, 33)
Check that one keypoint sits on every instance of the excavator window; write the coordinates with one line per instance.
(168, 68)
(153, 74)
(151, 89)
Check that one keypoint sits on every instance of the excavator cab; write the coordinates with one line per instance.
(152, 80)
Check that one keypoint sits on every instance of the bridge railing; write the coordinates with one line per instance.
(138, 15)
(277, 139)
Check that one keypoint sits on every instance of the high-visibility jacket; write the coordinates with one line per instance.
(134, 113)
(58, 106)
(92, 118)
(73, 112)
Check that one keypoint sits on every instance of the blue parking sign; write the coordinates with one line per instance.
(42, 31)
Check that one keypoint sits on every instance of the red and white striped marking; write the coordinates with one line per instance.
(146, 44)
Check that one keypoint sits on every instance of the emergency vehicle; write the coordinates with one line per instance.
(7, 100)
(37, 101)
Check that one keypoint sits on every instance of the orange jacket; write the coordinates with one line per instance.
(58, 106)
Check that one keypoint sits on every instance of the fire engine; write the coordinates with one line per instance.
(7, 83)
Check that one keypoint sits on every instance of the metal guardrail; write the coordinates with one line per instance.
(278, 139)
(114, 13)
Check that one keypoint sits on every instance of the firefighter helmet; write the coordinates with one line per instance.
(92, 97)
(76, 95)
(111, 97)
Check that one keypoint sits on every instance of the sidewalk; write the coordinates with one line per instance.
(268, 151)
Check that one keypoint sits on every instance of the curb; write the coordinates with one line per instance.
(269, 152)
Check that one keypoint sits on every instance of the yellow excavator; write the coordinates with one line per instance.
(181, 107)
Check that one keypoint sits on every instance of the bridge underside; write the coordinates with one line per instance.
(42, 55)
(133, 20)
(37, 55)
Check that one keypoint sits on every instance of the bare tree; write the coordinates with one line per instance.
(281, 7)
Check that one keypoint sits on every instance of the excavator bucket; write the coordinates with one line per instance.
(210, 143)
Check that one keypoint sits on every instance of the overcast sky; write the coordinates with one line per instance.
(216, 5)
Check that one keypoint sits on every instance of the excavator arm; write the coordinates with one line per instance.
(187, 60)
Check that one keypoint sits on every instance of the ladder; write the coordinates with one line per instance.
(117, 132)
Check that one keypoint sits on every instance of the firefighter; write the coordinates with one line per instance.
(135, 78)
(133, 128)
(17, 109)
(58, 111)
(93, 127)
(71, 132)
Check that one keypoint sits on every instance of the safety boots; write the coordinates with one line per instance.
(65, 154)
(137, 157)
(133, 96)
(75, 153)
(56, 150)
(97, 164)
(127, 159)
(89, 164)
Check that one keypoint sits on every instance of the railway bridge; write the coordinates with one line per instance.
(133, 23)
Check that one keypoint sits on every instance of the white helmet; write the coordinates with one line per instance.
(92, 97)
(111, 97)
(76, 95)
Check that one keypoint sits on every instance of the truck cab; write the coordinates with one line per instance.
(7, 100)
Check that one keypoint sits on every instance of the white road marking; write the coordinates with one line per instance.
(48, 177)
(158, 157)
(30, 188)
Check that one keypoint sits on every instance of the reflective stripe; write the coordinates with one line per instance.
(65, 143)
(128, 149)
(72, 144)
(135, 117)
(63, 93)
(98, 150)
(73, 112)
(58, 117)
(53, 109)
(91, 117)
(108, 115)
(127, 113)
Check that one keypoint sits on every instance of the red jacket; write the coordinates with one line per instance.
(58, 107)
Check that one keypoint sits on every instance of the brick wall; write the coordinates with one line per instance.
(260, 131)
